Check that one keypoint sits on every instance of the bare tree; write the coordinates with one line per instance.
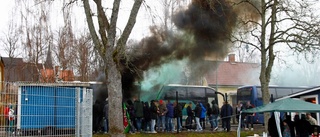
(111, 49)
(85, 53)
(65, 41)
(11, 39)
(273, 23)
(169, 9)
(36, 32)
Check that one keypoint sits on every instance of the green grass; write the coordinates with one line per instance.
(189, 134)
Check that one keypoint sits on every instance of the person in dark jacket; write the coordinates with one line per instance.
(97, 116)
(106, 116)
(146, 116)
(190, 117)
(296, 120)
(153, 113)
(272, 126)
(290, 125)
(178, 114)
(304, 127)
(240, 108)
(226, 113)
(249, 116)
(132, 114)
(210, 115)
(197, 111)
(169, 116)
(138, 107)
(215, 114)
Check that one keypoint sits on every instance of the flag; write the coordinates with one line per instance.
(126, 118)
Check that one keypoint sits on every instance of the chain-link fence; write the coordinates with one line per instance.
(45, 109)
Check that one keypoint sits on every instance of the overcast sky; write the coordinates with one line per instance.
(141, 30)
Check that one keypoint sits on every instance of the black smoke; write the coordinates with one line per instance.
(204, 30)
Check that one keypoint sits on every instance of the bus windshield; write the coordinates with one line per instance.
(244, 94)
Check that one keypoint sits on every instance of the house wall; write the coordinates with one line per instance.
(228, 90)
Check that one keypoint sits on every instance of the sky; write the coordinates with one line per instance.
(4, 15)
(140, 30)
(288, 73)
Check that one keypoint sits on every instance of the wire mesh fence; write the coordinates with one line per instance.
(45, 109)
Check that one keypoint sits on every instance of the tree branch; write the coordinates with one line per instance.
(92, 30)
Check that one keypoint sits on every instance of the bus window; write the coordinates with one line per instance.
(196, 92)
(212, 96)
(170, 92)
(245, 92)
(210, 92)
(281, 92)
(259, 93)
(273, 92)
(295, 90)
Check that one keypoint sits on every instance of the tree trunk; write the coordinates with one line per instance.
(263, 72)
(115, 99)
(270, 62)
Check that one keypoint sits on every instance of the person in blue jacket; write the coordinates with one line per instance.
(203, 116)
(169, 116)
(226, 113)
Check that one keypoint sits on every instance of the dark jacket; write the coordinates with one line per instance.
(130, 109)
(146, 112)
(197, 111)
(178, 111)
(105, 110)
(238, 110)
(98, 110)
(215, 109)
(304, 127)
(209, 110)
(290, 124)
(170, 112)
(190, 112)
(272, 127)
(138, 107)
(226, 110)
(153, 110)
(162, 110)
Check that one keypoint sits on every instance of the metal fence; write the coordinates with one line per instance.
(45, 109)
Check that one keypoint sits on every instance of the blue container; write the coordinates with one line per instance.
(43, 107)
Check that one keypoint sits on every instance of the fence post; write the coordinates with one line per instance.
(177, 105)
(86, 113)
(78, 112)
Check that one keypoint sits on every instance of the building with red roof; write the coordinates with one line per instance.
(230, 74)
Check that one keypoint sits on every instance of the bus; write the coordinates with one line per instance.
(254, 95)
(187, 94)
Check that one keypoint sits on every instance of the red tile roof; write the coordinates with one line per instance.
(234, 73)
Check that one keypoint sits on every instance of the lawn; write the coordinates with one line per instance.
(189, 134)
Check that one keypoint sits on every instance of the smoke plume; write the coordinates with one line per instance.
(204, 30)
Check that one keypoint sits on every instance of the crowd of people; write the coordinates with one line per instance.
(165, 116)
(303, 125)
(247, 119)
